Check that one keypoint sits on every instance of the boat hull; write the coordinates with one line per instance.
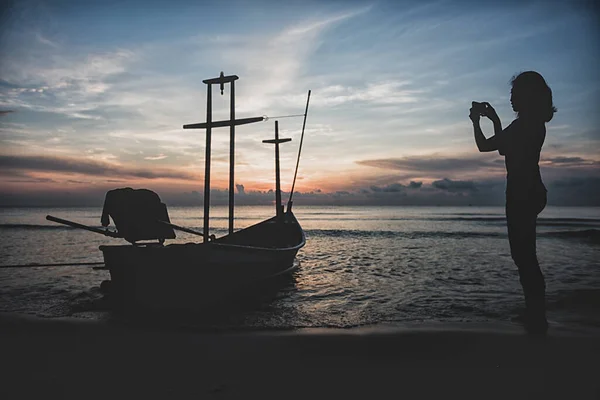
(197, 275)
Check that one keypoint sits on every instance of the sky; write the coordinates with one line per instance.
(93, 96)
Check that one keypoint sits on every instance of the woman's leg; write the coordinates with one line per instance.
(521, 220)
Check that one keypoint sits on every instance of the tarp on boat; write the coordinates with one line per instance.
(135, 213)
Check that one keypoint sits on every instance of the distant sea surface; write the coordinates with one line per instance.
(360, 266)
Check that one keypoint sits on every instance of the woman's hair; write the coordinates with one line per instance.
(531, 96)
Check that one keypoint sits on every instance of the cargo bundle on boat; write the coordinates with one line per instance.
(151, 274)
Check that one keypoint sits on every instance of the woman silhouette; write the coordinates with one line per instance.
(520, 144)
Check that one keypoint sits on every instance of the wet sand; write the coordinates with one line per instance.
(68, 358)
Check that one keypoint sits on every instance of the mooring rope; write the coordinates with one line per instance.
(51, 265)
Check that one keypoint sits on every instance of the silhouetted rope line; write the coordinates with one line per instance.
(51, 265)
(283, 116)
(299, 151)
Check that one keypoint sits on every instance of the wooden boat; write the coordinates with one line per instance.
(194, 275)
(197, 275)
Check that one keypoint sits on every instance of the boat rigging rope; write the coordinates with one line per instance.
(283, 116)
(299, 152)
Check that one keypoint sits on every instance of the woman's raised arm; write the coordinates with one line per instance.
(483, 144)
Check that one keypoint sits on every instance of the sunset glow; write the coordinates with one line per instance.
(94, 97)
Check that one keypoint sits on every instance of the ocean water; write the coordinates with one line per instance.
(360, 266)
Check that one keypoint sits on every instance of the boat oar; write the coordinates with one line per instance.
(51, 265)
(81, 226)
(181, 228)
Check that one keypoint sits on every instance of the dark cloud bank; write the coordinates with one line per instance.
(443, 192)
(571, 181)
(85, 167)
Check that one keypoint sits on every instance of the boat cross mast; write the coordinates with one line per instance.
(208, 125)
(276, 142)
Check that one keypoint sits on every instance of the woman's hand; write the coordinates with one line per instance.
(474, 115)
(490, 112)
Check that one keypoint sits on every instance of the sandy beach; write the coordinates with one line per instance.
(69, 358)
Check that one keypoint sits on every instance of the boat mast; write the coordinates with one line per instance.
(208, 125)
(221, 80)
(231, 151)
(276, 141)
(231, 123)
(207, 161)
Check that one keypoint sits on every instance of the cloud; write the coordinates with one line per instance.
(85, 167)
(44, 40)
(79, 73)
(434, 163)
(395, 187)
(304, 28)
(383, 93)
(6, 112)
(569, 161)
(278, 61)
(575, 191)
(576, 182)
(23, 177)
(454, 186)
(155, 158)
(40, 74)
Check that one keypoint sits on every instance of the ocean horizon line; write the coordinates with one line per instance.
(305, 205)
